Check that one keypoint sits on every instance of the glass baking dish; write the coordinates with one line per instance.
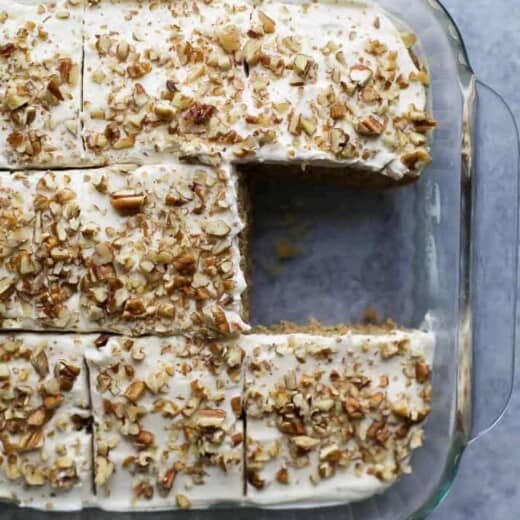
(445, 247)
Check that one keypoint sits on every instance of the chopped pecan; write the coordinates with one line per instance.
(199, 113)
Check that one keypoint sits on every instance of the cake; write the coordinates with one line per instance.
(333, 418)
(168, 431)
(130, 377)
(180, 423)
(40, 83)
(136, 250)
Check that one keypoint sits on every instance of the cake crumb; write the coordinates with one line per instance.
(286, 250)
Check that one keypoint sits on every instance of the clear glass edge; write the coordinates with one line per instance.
(464, 435)
(475, 435)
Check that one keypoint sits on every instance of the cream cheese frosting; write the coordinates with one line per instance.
(190, 423)
(136, 250)
(40, 83)
(333, 419)
(45, 446)
(332, 84)
(156, 78)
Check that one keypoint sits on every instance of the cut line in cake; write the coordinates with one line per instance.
(169, 422)
(211, 82)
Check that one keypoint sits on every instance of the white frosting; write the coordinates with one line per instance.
(354, 353)
(51, 36)
(175, 230)
(63, 225)
(162, 31)
(349, 26)
(154, 402)
(171, 376)
(63, 445)
(16, 229)
(254, 111)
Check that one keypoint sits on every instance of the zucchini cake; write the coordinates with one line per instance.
(40, 83)
(130, 378)
(177, 422)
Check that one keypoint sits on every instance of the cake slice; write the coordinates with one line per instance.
(162, 78)
(133, 250)
(167, 428)
(45, 440)
(335, 84)
(41, 257)
(333, 419)
(160, 245)
(40, 83)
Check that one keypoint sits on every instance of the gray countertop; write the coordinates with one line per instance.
(487, 486)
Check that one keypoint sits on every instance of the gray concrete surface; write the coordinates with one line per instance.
(487, 486)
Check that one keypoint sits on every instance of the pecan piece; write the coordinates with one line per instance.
(127, 203)
(371, 126)
(66, 375)
(199, 113)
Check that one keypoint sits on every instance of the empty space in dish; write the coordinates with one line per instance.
(325, 251)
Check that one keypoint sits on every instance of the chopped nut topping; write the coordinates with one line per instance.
(127, 203)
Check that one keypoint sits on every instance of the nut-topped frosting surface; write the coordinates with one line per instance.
(129, 121)
(333, 419)
(45, 456)
(41, 52)
(136, 250)
(171, 422)
(333, 84)
(167, 423)
(278, 82)
(163, 77)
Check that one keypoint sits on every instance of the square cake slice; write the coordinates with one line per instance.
(335, 85)
(333, 419)
(162, 77)
(160, 246)
(45, 439)
(167, 428)
(41, 258)
(40, 83)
